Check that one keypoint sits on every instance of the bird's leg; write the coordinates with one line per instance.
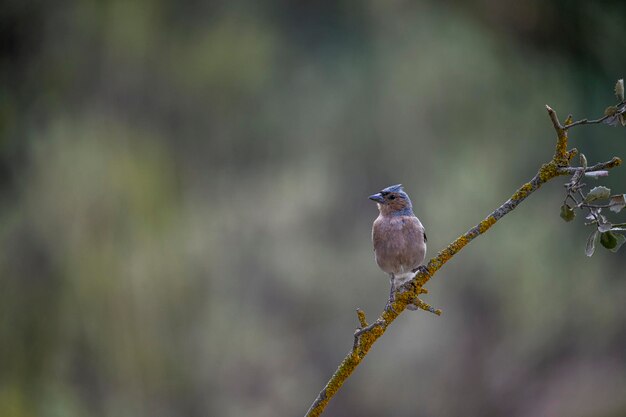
(392, 281)
(389, 305)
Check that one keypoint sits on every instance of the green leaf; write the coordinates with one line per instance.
(591, 243)
(567, 213)
(619, 90)
(620, 241)
(617, 202)
(598, 193)
(612, 241)
(608, 240)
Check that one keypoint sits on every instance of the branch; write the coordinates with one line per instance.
(618, 108)
(407, 295)
(588, 122)
(602, 166)
(561, 156)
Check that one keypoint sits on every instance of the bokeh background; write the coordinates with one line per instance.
(184, 221)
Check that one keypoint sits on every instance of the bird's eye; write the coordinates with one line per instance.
(392, 197)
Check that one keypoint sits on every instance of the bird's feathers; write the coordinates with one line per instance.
(393, 189)
(399, 243)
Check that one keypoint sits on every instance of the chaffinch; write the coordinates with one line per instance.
(398, 236)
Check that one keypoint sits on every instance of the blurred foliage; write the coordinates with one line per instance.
(184, 215)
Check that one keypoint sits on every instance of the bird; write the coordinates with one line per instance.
(398, 236)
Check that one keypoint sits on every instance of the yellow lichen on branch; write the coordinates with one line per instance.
(486, 224)
(361, 315)
(523, 191)
(560, 153)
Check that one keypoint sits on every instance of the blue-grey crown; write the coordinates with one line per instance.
(393, 189)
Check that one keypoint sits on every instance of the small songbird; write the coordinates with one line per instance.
(398, 236)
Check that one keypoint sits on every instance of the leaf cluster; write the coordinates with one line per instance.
(610, 235)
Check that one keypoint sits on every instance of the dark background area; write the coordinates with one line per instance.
(184, 218)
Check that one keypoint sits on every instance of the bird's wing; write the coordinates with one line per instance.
(413, 228)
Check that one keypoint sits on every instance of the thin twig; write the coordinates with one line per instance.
(596, 121)
(554, 118)
(595, 206)
(426, 307)
(597, 167)
(589, 209)
(588, 122)
(361, 316)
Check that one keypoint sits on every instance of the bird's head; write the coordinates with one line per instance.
(393, 201)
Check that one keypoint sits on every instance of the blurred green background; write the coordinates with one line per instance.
(184, 219)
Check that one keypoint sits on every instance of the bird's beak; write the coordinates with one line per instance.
(378, 197)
